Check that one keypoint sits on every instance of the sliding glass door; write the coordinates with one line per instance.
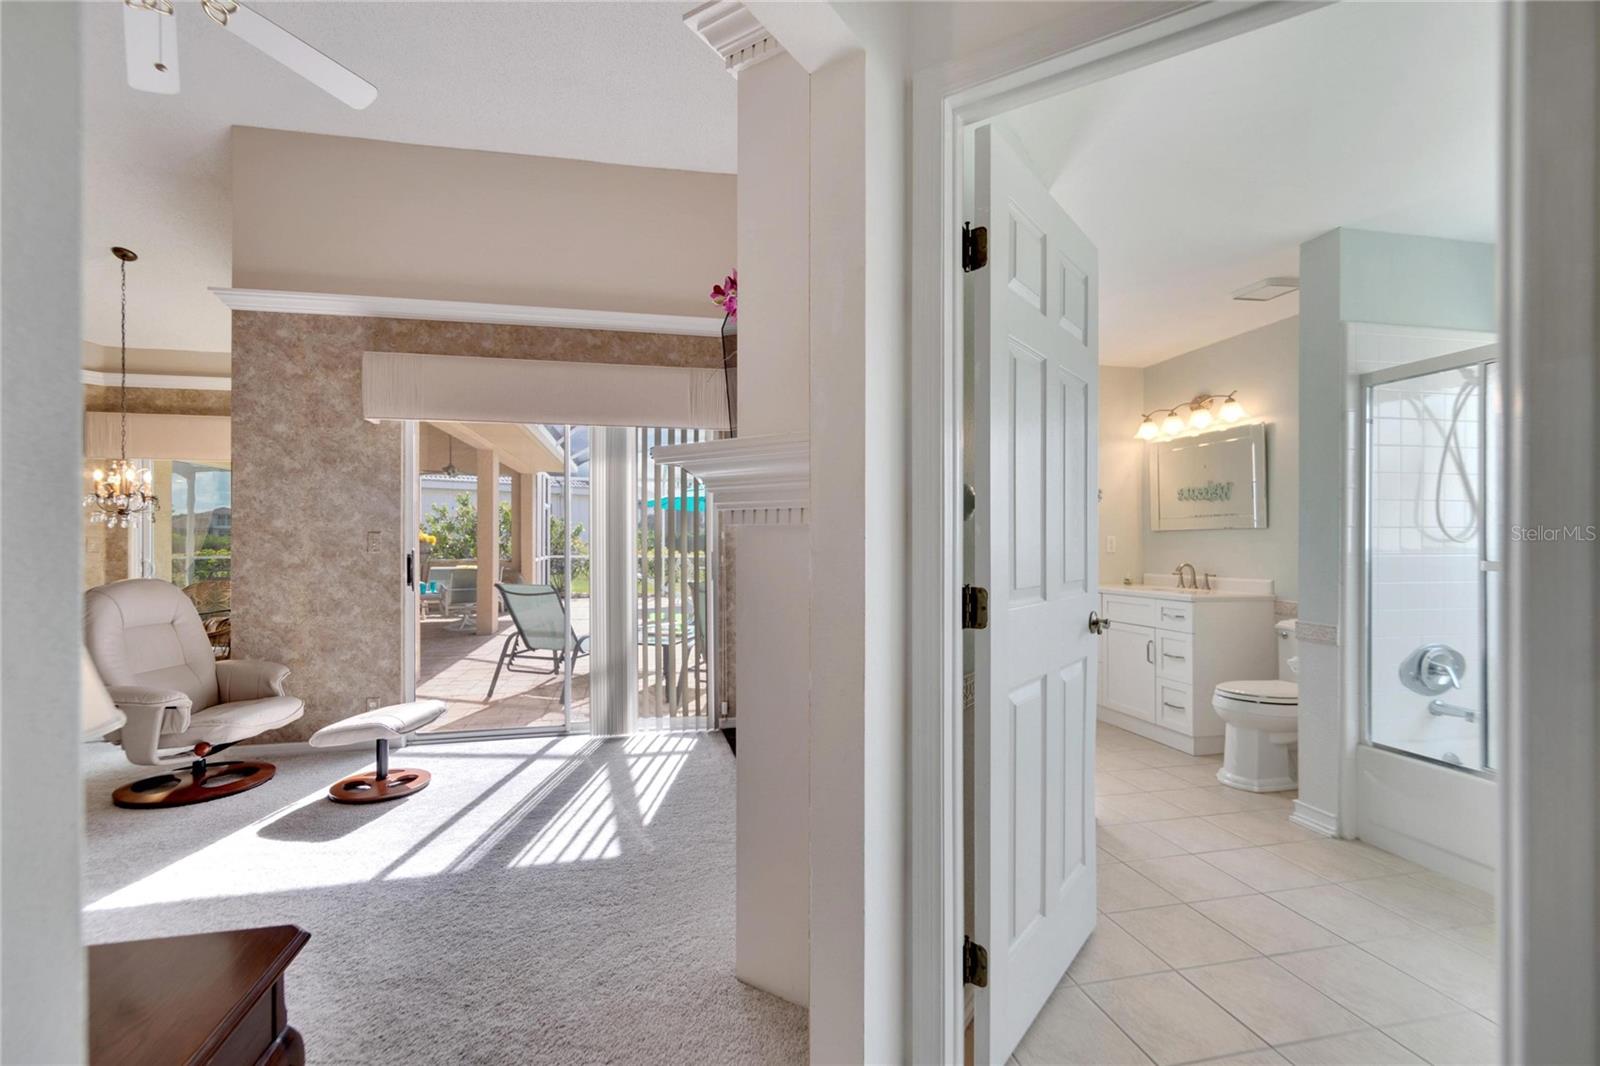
(540, 660)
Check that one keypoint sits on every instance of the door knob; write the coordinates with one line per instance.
(1098, 624)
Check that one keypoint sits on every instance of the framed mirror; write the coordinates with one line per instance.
(1214, 480)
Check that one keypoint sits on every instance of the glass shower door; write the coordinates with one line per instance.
(1431, 503)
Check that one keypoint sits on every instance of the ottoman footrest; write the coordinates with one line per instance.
(381, 727)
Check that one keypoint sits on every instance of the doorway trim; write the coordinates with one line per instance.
(945, 101)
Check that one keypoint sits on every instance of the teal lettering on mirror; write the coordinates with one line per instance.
(1210, 491)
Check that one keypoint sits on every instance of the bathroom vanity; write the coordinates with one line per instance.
(1167, 649)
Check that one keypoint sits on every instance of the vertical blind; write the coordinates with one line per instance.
(674, 545)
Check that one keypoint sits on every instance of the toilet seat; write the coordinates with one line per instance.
(1265, 694)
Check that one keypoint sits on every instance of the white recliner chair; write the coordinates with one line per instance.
(183, 706)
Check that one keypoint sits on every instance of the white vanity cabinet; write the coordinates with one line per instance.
(1167, 649)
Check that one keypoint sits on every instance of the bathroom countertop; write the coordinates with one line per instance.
(1165, 587)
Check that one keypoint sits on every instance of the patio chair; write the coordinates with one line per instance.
(539, 627)
(459, 595)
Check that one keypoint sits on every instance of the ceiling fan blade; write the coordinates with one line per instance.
(300, 57)
(150, 40)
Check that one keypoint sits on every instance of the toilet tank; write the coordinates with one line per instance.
(1288, 650)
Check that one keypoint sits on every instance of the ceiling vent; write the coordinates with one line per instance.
(1267, 289)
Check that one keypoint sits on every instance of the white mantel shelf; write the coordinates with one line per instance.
(748, 473)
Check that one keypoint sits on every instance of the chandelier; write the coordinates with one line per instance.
(123, 492)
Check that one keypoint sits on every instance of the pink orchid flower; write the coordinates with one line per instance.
(726, 295)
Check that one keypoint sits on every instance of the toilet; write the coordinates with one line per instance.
(1263, 724)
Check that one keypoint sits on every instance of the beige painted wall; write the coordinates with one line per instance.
(1264, 365)
(1121, 474)
(339, 214)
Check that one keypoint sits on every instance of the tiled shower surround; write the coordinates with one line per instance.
(1425, 510)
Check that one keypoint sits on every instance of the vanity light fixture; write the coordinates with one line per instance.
(1200, 416)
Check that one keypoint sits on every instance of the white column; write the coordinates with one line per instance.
(524, 524)
(613, 650)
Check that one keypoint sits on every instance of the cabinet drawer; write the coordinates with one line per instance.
(1129, 610)
(1175, 615)
(1175, 707)
(1174, 657)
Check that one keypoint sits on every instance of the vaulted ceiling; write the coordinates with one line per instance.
(1203, 173)
(610, 82)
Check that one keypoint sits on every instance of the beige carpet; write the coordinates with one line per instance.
(549, 901)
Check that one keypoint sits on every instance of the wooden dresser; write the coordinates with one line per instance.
(210, 998)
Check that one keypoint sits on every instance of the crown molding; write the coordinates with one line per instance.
(112, 378)
(327, 303)
(733, 32)
(747, 473)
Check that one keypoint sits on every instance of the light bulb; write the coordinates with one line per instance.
(1148, 430)
(1199, 417)
(1172, 425)
(1232, 411)
(99, 475)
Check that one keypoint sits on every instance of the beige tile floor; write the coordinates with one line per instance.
(1227, 934)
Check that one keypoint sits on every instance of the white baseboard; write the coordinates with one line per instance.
(1434, 858)
(1160, 734)
(1315, 819)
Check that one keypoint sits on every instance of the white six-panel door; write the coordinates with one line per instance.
(1037, 395)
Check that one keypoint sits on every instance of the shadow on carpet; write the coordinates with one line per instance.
(549, 900)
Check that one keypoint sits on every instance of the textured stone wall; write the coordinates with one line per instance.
(159, 401)
(315, 487)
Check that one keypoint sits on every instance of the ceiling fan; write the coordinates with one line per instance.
(150, 37)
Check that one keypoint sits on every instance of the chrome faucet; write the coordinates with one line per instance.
(1193, 582)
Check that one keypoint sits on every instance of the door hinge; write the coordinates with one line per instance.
(974, 247)
(974, 963)
(974, 607)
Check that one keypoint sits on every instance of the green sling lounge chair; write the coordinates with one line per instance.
(539, 627)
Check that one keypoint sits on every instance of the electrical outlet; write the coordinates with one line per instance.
(374, 702)
(1111, 545)
(374, 541)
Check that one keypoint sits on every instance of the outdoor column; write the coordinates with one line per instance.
(613, 660)
(523, 524)
(488, 538)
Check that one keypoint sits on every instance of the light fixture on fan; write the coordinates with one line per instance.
(450, 463)
(124, 491)
(1200, 416)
